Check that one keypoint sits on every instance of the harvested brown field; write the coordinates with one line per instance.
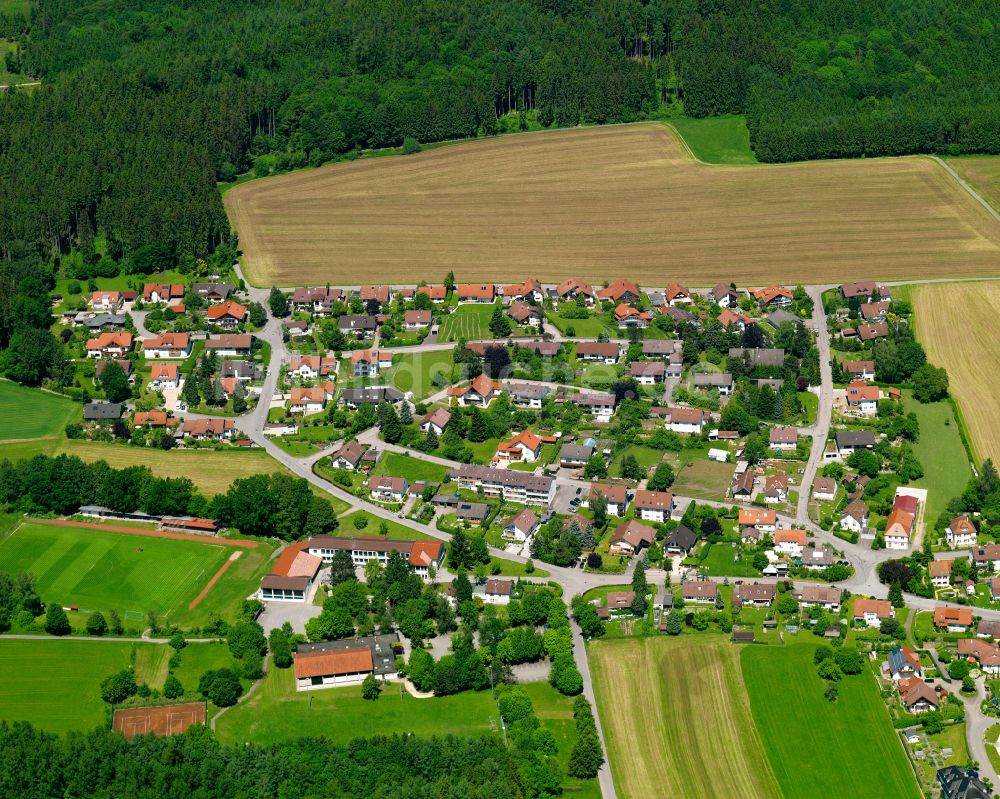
(959, 326)
(605, 202)
(676, 719)
(982, 172)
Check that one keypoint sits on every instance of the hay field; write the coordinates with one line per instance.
(982, 172)
(603, 202)
(959, 326)
(677, 719)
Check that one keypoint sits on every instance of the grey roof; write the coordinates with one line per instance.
(774, 383)
(855, 439)
(659, 346)
(780, 316)
(575, 452)
(713, 379)
(531, 390)
(960, 783)
(373, 394)
(656, 298)
(682, 538)
(93, 411)
(103, 319)
(503, 476)
(358, 322)
(475, 511)
(761, 356)
(244, 369)
(445, 499)
(218, 289)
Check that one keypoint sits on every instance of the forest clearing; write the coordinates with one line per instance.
(601, 202)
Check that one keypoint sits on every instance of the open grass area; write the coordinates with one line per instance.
(55, 684)
(468, 321)
(33, 413)
(401, 465)
(587, 200)
(717, 140)
(982, 172)
(646, 456)
(809, 740)
(703, 479)
(591, 327)
(941, 453)
(396, 531)
(411, 371)
(724, 559)
(98, 570)
(676, 719)
(196, 659)
(959, 326)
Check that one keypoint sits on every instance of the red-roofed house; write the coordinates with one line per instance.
(368, 363)
(164, 376)
(481, 391)
(475, 292)
(898, 528)
(106, 301)
(676, 294)
(226, 314)
(387, 489)
(873, 611)
(862, 399)
(312, 399)
(616, 495)
(621, 290)
(436, 293)
(940, 572)
(573, 287)
(167, 345)
(417, 320)
(955, 620)
(961, 533)
(773, 296)
(115, 344)
(685, 420)
(763, 519)
(309, 367)
(524, 447)
(626, 316)
(521, 527)
(162, 292)
(790, 542)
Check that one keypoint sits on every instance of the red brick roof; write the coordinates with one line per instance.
(333, 662)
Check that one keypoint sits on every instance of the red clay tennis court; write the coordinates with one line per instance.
(163, 720)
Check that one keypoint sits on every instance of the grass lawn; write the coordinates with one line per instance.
(722, 559)
(808, 739)
(591, 327)
(810, 406)
(992, 738)
(940, 451)
(400, 465)
(703, 479)
(469, 321)
(277, 712)
(196, 659)
(32, 413)
(647, 457)
(99, 570)
(667, 730)
(55, 684)
(211, 470)
(952, 737)
(397, 531)
(717, 140)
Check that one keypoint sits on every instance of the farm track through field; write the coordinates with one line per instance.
(606, 201)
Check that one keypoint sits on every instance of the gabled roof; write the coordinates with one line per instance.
(633, 533)
(653, 500)
(616, 494)
(962, 525)
(227, 308)
(333, 662)
(615, 291)
(699, 589)
(571, 285)
(525, 521)
(476, 291)
(880, 607)
(945, 616)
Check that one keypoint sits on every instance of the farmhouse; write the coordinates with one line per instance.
(961, 533)
(765, 520)
(629, 537)
(387, 489)
(480, 392)
(654, 506)
(167, 345)
(604, 352)
(822, 596)
(309, 367)
(421, 555)
(701, 591)
(721, 381)
(686, 420)
(497, 591)
(955, 620)
(162, 292)
(110, 345)
(520, 527)
(647, 373)
(230, 344)
(524, 447)
(755, 595)
(615, 494)
(514, 486)
(208, 429)
(293, 574)
(436, 420)
(620, 291)
(824, 489)
(680, 541)
(873, 611)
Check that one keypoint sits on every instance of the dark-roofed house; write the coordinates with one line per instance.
(654, 506)
(514, 486)
(230, 343)
(961, 783)
(760, 356)
(527, 395)
(498, 591)
(102, 411)
(387, 489)
(680, 541)
(866, 289)
(348, 456)
(630, 537)
(780, 316)
(920, 698)
(606, 352)
(722, 381)
(743, 485)
(870, 331)
(824, 489)
(756, 595)
(724, 295)
(355, 397)
(471, 511)
(616, 495)
(849, 441)
(575, 456)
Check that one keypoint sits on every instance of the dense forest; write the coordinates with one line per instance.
(146, 104)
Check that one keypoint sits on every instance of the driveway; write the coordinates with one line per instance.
(295, 613)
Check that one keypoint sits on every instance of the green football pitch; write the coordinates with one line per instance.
(97, 570)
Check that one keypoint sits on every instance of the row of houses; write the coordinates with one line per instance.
(118, 344)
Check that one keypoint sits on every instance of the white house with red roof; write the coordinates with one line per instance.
(480, 392)
(368, 363)
(312, 399)
(525, 447)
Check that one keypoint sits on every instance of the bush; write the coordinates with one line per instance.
(221, 686)
(411, 146)
(370, 688)
(56, 622)
(118, 687)
(96, 624)
(172, 687)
